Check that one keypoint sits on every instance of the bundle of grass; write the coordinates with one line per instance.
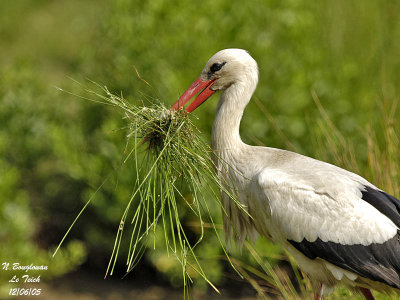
(172, 161)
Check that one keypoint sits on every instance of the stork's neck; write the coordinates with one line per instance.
(225, 133)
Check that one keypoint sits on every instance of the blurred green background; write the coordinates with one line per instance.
(56, 149)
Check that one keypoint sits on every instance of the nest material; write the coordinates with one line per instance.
(177, 157)
(177, 162)
(162, 127)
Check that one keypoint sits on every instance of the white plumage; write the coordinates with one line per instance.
(339, 227)
(319, 200)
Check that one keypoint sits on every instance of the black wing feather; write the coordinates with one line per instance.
(385, 203)
(378, 262)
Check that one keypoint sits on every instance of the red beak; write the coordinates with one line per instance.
(197, 86)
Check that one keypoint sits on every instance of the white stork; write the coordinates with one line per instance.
(340, 228)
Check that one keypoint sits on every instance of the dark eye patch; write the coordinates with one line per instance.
(216, 67)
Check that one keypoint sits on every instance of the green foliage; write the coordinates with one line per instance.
(21, 150)
(56, 150)
(345, 52)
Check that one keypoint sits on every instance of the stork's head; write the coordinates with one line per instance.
(224, 69)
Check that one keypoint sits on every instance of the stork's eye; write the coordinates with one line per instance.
(216, 67)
